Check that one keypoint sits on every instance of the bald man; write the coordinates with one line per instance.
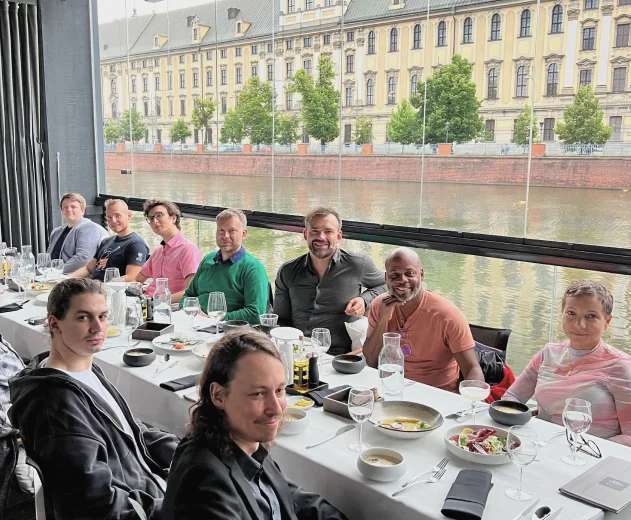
(125, 250)
(435, 337)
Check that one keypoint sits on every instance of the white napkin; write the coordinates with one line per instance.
(357, 331)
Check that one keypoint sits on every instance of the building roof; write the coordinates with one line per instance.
(113, 35)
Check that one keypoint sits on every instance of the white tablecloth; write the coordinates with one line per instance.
(330, 469)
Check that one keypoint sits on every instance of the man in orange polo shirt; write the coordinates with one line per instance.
(435, 337)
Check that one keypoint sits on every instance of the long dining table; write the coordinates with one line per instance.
(331, 468)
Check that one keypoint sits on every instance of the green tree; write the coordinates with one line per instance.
(583, 120)
(112, 133)
(255, 111)
(203, 111)
(138, 127)
(403, 126)
(232, 129)
(363, 130)
(179, 131)
(450, 99)
(521, 134)
(319, 101)
(286, 128)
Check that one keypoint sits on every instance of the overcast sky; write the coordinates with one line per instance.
(111, 9)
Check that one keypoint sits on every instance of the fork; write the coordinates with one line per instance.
(479, 448)
(442, 464)
(432, 480)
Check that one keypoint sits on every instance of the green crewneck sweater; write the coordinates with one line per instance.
(244, 282)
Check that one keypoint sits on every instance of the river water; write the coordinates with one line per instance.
(492, 292)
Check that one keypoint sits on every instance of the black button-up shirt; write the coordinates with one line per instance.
(305, 301)
(252, 468)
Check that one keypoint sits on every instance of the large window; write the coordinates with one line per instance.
(622, 35)
(557, 19)
(548, 129)
(270, 71)
(491, 92)
(350, 63)
(522, 82)
(413, 84)
(467, 31)
(157, 83)
(195, 79)
(392, 91)
(416, 44)
(524, 28)
(307, 66)
(589, 38)
(615, 122)
(224, 76)
(394, 40)
(619, 79)
(585, 78)
(496, 26)
(553, 80)
(371, 42)
(289, 69)
(239, 75)
(349, 96)
(291, 6)
(489, 130)
(182, 80)
(591, 4)
(370, 92)
(209, 78)
(442, 34)
(289, 101)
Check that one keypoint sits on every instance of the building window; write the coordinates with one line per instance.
(195, 56)
(442, 34)
(349, 97)
(170, 81)
(239, 74)
(113, 86)
(347, 133)
(524, 29)
(224, 104)
(557, 19)
(371, 42)
(328, 3)
(181, 58)
(209, 55)
(182, 80)
(624, 2)
(157, 80)
(145, 84)
(144, 64)
(291, 6)
(416, 42)
(224, 77)
(170, 107)
(327, 39)
(491, 91)
(156, 62)
(270, 72)
(489, 129)
(224, 53)
(394, 40)
(622, 35)
(350, 36)
(170, 61)
(133, 66)
(255, 71)
(158, 108)
(159, 135)
(589, 37)
(548, 129)
(289, 66)
(289, 101)
(195, 79)
(182, 107)
(290, 44)
(413, 84)
(209, 78)
(270, 47)
(467, 31)
(309, 4)
(237, 52)
(619, 79)
(195, 34)
(615, 122)
(522, 82)
(350, 63)
(254, 50)
(307, 41)
(392, 91)
(496, 26)
(307, 66)
(370, 92)
(114, 107)
(156, 41)
(591, 4)
(553, 80)
(133, 85)
(585, 78)
(239, 25)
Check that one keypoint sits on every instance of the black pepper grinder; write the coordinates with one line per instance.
(314, 373)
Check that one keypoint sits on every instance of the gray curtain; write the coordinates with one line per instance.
(24, 204)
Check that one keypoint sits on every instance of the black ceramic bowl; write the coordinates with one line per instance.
(139, 357)
(349, 363)
(510, 413)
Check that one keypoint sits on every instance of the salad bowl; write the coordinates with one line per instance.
(460, 440)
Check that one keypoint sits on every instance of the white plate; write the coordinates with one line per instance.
(161, 342)
(293, 399)
(476, 458)
(42, 299)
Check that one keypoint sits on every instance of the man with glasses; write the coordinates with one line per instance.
(126, 251)
(435, 337)
(176, 258)
(232, 271)
(74, 242)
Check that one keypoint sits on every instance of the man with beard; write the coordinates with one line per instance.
(435, 337)
(328, 286)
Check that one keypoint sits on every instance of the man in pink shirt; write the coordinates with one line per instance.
(435, 337)
(176, 258)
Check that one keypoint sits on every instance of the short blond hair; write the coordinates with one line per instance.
(322, 211)
(233, 213)
(77, 197)
(582, 288)
(111, 202)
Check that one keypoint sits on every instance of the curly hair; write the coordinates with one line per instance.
(171, 207)
(581, 288)
(209, 425)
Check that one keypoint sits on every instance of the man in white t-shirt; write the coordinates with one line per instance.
(97, 460)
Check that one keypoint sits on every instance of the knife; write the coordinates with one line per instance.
(526, 511)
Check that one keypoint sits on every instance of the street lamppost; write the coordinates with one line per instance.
(447, 131)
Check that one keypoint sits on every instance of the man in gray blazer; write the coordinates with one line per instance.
(76, 241)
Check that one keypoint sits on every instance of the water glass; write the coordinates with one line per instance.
(133, 318)
(57, 268)
(268, 322)
(17, 272)
(191, 308)
(577, 418)
(216, 309)
(361, 402)
(43, 264)
(321, 343)
(522, 446)
(474, 391)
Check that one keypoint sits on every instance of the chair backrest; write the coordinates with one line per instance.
(491, 337)
(40, 502)
(8, 459)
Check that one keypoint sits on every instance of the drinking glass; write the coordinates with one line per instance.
(216, 309)
(43, 264)
(111, 274)
(57, 268)
(3, 246)
(321, 342)
(360, 405)
(16, 273)
(288, 368)
(132, 318)
(191, 308)
(577, 418)
(474, 391)
(268, 322)
(522, 446)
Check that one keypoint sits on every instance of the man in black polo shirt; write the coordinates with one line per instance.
(126, 250)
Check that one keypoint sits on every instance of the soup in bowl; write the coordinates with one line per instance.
(381, 464)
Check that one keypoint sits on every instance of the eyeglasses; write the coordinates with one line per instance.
(158, 216)
(589, 447)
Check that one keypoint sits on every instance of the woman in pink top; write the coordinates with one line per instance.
(584, 367)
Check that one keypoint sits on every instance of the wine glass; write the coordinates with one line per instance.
(17, 273)
(43, 264)
(321, 342)
(111, 274)
(132, 319)
(522, 446)
(577, 418)
(191, 308)
(360, 405)
(56, 268)
(474, 391)
(216, 309)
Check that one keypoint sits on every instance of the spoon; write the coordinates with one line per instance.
(340, 431)
(541, 513)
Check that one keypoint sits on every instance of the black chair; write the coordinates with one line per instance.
(495, 338)
(8, 459)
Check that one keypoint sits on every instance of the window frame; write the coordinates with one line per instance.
(552, 80)
(556, 26)
(238, 71)
(467, 30)
(590, 4)
(441, 33)
(548, 130)
(394, 40)
(371, 43)
(492, 87)
(619, 42)
(489, 127)
(496, 27)
(348, 96)
(590, 39)
(224, 77)
(370, 92)
(392, 90)
(616, 131)
(521, 83)
(621, 81)
(413, 84)
(525, 24)
(350, 64)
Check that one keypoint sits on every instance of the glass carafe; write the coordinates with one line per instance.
(28, 259)
(391, 365)
(162, 302)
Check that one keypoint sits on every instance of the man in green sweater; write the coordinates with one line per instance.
(232, 271)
